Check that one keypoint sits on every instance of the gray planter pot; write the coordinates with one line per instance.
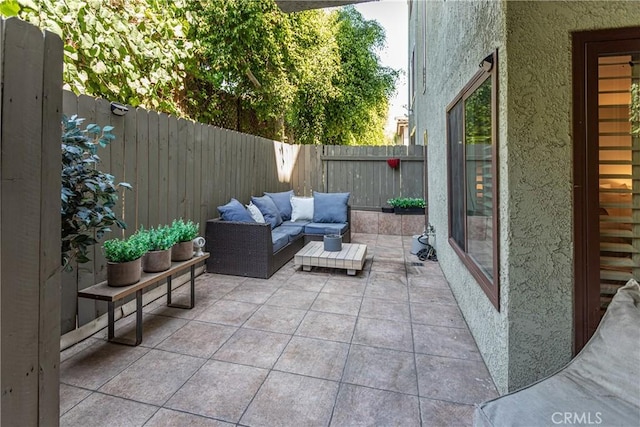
(156, 261)
(333, 243)
(124, 273)
(182, 251)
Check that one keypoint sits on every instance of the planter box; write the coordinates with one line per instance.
(409, 211)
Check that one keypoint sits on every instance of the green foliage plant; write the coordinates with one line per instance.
(88, 195)
(131, 51)
(125, 250)
(312, 77)
(184, 231)
(315, 72)
(158, 239)
(407, 202)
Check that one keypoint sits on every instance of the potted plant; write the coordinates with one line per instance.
(124, 265)
(88, 195)
(159, 243)
(407, 205)
(185, 232)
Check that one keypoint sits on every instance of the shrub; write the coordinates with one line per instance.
(158, 239)
(118, 250)
(184, 231)
(88, 195)
(407, 202)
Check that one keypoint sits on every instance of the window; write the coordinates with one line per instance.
(472, 180)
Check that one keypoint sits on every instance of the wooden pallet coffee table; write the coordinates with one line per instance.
(350, 258)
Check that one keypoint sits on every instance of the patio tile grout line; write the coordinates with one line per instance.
(197, 370)
(413, 342)
(271, 369)
(346, 360)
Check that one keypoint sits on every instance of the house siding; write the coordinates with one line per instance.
(532, 334)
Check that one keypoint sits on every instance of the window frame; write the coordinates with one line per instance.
(490, 286)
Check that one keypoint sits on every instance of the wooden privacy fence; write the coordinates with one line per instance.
(363, 171)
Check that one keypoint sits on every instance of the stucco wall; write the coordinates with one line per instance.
(532, 334)
(459, 36)
(539, 160)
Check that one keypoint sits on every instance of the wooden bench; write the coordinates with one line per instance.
(111, 294)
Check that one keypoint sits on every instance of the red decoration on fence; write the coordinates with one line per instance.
(393, 163)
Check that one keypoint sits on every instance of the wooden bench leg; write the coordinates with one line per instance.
(111, 320)
(192, 302)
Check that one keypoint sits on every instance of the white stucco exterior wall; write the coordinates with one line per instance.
(532, 334)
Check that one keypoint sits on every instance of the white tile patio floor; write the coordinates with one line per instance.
(387, 347)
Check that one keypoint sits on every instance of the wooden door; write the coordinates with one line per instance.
(606, 170)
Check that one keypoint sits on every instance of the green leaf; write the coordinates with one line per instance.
(9, 8)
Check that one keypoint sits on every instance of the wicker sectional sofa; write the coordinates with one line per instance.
(258, 250)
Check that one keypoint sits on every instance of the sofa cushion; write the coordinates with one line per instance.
(234, 211)
(330, 207)
(321, 228)
(255, 213)
(292, 229)
(283, 203)
(279, 238)
(301, 208)
(295, 223)
(268, 209)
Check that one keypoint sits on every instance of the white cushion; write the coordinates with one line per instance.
(301, 208)
(255, 213)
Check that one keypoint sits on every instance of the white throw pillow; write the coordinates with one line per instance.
(255, 213)
(301, 208)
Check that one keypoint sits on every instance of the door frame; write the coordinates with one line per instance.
(585, 47)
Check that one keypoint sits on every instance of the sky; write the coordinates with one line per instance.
(392, 16)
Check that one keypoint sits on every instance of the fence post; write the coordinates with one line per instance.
(30, 113)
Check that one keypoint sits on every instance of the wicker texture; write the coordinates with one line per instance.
(246, 249)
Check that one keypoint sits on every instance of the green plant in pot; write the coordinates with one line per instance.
(124, 256)
(185, 232)
(88, 195)
(407, 205)
(159, 241)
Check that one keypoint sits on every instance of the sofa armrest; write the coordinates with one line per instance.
(238, 248)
